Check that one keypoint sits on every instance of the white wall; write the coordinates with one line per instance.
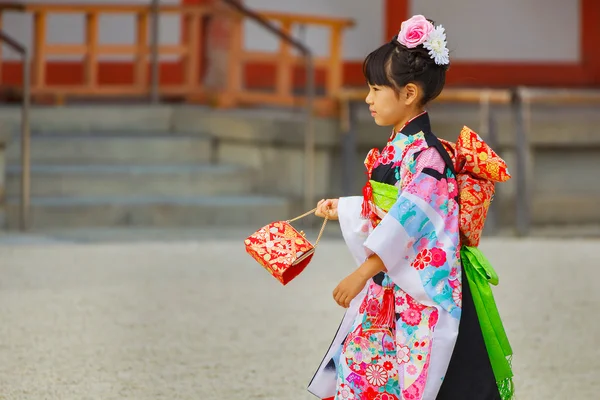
(507, 30)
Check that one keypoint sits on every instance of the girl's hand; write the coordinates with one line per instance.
(327, 208)
(349, 288)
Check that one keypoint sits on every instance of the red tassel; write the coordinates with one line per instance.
(366, 204)
(387, 314)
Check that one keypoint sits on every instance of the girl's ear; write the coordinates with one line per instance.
(411, 93)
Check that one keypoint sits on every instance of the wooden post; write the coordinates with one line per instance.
(141, 60)
(91, 57)
(155, 52)
(2, 61)
(234, 64)
(334, 80)
(39, 42)
(223, 44)
(193, 23)
(284, 65)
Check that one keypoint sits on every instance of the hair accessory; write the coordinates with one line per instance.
(417, 31)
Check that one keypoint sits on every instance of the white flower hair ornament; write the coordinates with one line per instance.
(419, 31)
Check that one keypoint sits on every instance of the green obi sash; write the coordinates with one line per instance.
(480, 275)
(384, 195)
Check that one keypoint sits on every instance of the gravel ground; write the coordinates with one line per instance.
(201, 320)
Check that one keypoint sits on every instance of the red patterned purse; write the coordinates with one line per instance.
(281, 249)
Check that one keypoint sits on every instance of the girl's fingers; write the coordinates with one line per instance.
(326, 208)
(338, 298)
(320, 212)
(344, 302)
(320, 202)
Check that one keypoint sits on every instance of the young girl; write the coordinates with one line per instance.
(411, 330)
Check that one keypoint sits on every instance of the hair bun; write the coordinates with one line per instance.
(410, 59)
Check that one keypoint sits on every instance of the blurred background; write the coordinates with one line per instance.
(217, 113)
(195, 122)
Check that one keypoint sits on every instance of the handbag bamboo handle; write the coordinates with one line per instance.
(308, 213)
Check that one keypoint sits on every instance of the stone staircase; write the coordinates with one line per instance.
(159, 179)
(181, 166)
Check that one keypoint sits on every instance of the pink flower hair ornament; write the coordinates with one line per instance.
(418, 31)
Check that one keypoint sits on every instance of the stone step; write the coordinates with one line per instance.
(154, 212)
(566, 209)
(115, 148)
(555, 210)
(132, 181)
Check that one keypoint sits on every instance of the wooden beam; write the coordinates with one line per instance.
(1, 60)
(141, 58)
(396, 11)
(193, 24)
(284, 64)
(335, 73)
(92, 31)
(39, 57)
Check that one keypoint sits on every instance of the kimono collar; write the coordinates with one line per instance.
(420, 123)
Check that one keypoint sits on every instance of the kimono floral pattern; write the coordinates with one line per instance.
(387, 361)
(388, 358)
(432, 222)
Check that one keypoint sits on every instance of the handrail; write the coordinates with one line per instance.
(67, 8)
(459, 95)
(193, 83)
(558, 96)
(524, 98)
(190, 88)
(307, 19)
(189, 56)
(264, 22)
(309, 140)
(25, 130)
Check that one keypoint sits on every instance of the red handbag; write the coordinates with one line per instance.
(282, 250)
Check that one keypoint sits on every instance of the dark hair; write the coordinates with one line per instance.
(394, 65)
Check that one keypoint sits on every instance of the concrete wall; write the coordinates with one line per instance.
(489, 30)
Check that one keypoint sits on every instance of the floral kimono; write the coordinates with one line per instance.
(413, 332)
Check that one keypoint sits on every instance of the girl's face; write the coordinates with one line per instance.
(390, 108)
